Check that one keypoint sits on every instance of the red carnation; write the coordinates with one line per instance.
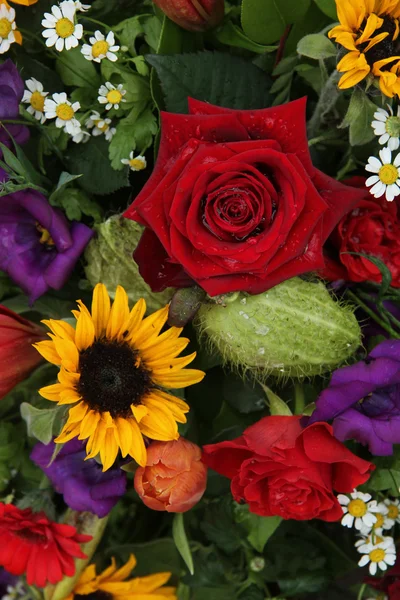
(30, 543)
(282, 470)
(234, 201)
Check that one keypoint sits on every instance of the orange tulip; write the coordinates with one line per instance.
(193, 15)
(174, 478)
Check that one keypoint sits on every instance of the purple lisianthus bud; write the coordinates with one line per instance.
(82, 482)
(7, 583)
(38, 246)
(363, 400)
(11, 92)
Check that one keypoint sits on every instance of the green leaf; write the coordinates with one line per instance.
(385, 272)
(152, 32)
(220, 528)
(286, 65)
(328, 7)
(359, 117)
(75, 70)
(64, 179)
(161, 554)
(243, 394)
(385, 480)
(92, 162)
(127, 31)
(135, 131)
(316, 46)
(276, 405)
(262, 20)
(12, 161)
(30, 67)
(259, 529)
(181, 542)
(213, 77)
(231, 35)
(293, 10)
(75, 203)
(41, 423)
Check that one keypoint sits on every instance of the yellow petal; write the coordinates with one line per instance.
(88, 574)
(100, 309)
(150, 327)
(52, 392)
(373, 22)
(68, 379)
(159, 423)
(135, 318)
(124, 572)
(107, 573)
(108, 450)
(85, 332)
(148, 584)
(162, 365)
(60, 328)
(69, 396)
(77, 413)
(118, 315)
(175, 405)
(69, 431)
(123, 434)
(89, 425)
(138, 449)
(376, 40)
(68, 353)
(96, 440)
(139, 412)
(177, 379)
(48, 350)
(170, 348)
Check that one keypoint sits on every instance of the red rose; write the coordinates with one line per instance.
(234, 202)
(389, 583)
(280, 469)
(372, 227)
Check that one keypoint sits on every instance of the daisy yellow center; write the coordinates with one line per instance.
(45, 237)
(100, 48)
(392, 126)
(64, 27)
(393, 511)
(357, 508)
(103, 127)
(379, 520)
(388, 174)
(137, 164)
(37, 101)
(65, 112)
(114, 96)
(377, 555)
(5, 28)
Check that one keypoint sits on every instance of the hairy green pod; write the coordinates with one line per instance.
(296, 329)
(109, 261)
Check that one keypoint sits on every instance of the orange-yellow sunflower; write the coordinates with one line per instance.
(112, 584)
(113, 368)
(369, 30)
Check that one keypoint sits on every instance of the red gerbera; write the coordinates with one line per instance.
(30, 543)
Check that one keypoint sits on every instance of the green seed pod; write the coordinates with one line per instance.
(295, 329)
(109, 261)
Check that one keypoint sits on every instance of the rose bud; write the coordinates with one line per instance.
(296, 329)
(193, 15)
(174, 478)
(17, 355)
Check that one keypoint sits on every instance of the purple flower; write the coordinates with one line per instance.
(11, 92)
(363, 400)
(7, 581)
(38, 246)
(82, 482)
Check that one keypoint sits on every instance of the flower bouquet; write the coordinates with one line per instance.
(200, 299)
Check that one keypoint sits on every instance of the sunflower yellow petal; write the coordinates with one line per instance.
(49, 352)
(89, 425)
(170, 348)
(177, 379)
(68, 353)
(60, 328)
(373, 22)
(52, 392)
(77, 413)
(108, 450)
(169, 363)
(101, 307)
(148, 584)
(118, 315)
(159, 423)
(135, 318)
(108, 573)
(69, 431)
(138, 449)
(176, 406)
(96, 439)
(125, 571)
(123, 434)
(139, 411)
(69, 396)
(85, 332)
(68, 379)
(150, 327)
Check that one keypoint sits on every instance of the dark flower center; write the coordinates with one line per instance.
(31, 536)
(381, 403)
(45, 237)
(385, 49)
(112, 377)
(97, 595)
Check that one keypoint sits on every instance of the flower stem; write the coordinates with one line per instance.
(372, 314)
(361, 592)
(299, 400)
(96, 22)
(326, 102)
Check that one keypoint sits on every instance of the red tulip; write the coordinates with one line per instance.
(17, 355)
(193, 15)
(174, 478)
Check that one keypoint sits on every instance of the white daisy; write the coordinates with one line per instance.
(81, 137)
(111, 96)
(137, 163)
(15, 592)
(393, 513)
(100, 126)
(61, 30)
(358, 510)
(7, 28)
(81, 7)
(387, 179)
(60, 108)
(378, 555)
(35, 96)
(387, 126)
(100, 47)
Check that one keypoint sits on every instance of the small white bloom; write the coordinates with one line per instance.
(81, 137)
(61, 30)
(111, 96)
(377, 555)
(387, 126)
(60, 108)
(14, 592)
(393, 513)
(100, 126)
(386, 181)
(7, 28)
(136, 163)
(81, 7)
(358, 510)
(100, 47)
(35, 96)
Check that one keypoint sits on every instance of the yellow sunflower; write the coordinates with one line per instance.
(369, 30)
(111, 584)
(113, 367)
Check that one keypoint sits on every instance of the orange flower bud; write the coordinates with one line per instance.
(17, 356)
(174, 478)
(193, 15)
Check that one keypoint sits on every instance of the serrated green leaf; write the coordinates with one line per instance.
(262, 20)
(75, 70)
(152, 28)
(128, 30)
(214, 77)
(316, 46)
(359, 117)
(92, 162)
(181, 541)
(328, 7)
(41, 422)
(64, 179)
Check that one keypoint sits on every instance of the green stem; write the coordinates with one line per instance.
(19, 122)
(372, 314)
(326, 102)
(361, 592)
(299, 400)
(96, 22)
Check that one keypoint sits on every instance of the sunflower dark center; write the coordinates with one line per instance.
(386, 48)
(112, 378)
(97, 595)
